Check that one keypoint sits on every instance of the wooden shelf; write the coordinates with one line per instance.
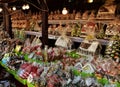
(75, 39)
(33, 33)
(79, 20)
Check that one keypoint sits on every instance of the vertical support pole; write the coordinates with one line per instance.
(44, 26)
(10, 27)
(4, 17)
(7, 20)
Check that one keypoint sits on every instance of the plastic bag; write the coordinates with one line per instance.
(36, 41)
(64, 41)
(6, 58)
(90, 45)
(37, 27)
(112, 29)
(24, 70)
(26, 47)
(85, 15)
(22, 34)
(113, 49)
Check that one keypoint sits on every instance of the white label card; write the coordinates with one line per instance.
(88, 68)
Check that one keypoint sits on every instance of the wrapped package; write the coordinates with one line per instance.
(64, 41)
(90, 45)
(107, 11)
(113, 49)
(85, 15)
(112, 29)
(89, 27)
(37, 27)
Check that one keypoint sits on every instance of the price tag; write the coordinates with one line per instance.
(93, 47)
(88, 68)
(78, 66)
(51, 37)
(30, 78)
(17, 48)
(110, 43)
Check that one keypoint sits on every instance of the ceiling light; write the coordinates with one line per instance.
(14, 8)
(64, 11)
(90, 1)
(27, 6)
(23, 7)
(1, 9)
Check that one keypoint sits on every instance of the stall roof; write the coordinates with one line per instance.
(79, 5)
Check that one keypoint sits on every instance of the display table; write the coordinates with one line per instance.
(12, 72)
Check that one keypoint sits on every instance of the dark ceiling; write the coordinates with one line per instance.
(74, 4)
(79, 5)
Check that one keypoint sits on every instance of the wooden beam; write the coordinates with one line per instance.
(4, 17)
(7, 20)
(44, 23)
(44, 28)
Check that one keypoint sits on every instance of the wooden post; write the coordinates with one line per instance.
(7, 20)
(4, 17)
(10, 27)
(44, 28)
(44, 25)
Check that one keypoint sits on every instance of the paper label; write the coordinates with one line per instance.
(88, 68)
(78, 66)
(93, 47)
(18, 48)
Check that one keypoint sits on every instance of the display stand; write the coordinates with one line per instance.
(12, 72)
(44, 34)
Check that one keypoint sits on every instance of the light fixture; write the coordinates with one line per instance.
(90, 1)
(23, 7)
(27, 6)
(14, 8)
(64, 11)
(1, 9)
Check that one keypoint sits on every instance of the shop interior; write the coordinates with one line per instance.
(59, 43)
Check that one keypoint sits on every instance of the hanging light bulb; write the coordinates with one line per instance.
(23, 7)
(27, 6)
(90, 1)
(1, 9)
(64, 11)
(14, 8)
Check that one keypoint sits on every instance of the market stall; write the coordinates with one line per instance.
(30, 59)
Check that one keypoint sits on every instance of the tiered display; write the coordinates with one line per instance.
(104, 29)
(112, 50)
(60, 67)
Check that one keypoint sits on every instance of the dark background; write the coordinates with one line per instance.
(53, 5)
(78, 5)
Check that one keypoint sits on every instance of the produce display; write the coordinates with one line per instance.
(76, 23)
(60, 67)
(113, 49)
(78, 29)
(112, 29)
